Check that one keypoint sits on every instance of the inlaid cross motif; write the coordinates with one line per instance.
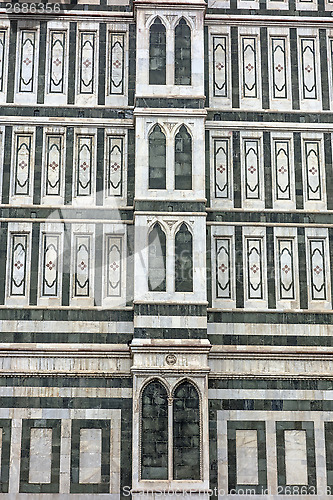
(84, 166)
(252, 169)
(219, 66)
(114, 266)
(249, 67)
(313, 170)
(50, 265)
(308, 68)
(254, 268)
(53, 166)
(23, 164)
(221, 169)
(57, 61)
(27, 61)
(223, 268)
(279, 68)
(115, 167)
(82, 265)
(18, 264)
(117, 64)
(86, 63)
(282, 170)
(286, 269)
(317, 270)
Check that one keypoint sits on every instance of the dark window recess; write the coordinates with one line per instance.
(183, 160)
(157, 53)
(154, 449)
(182, 54)
(157, 159)
(186, 432)
(183, 260)
(156, 256)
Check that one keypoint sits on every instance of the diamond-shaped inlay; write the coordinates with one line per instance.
(252, 169)
(317, 270)
(117, 64)
(283, 170)
(27, 61)
(249, 67)
(308, 68)
(313, 170)
(219, 66)
(53, 166)
(86, 63)
(254, 268)
(286, 269)
(115, 167)
(114, 266)
(23, 164)
(84, 166)
(223, 268)
(279, 68)
(18, 264)
(57, 61)
(221, 169)
(50, 265)
(82, 265)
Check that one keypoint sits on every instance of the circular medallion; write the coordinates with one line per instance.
(171, 359)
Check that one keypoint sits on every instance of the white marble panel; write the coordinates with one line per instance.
(247, 456)
(40, 455)
(295, 457)
(90, 456)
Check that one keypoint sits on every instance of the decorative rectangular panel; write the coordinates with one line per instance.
(252, 169)
(254, 268)
(50, 271)
(220, 75)
(2, 58)
(249, 57)
(53, 165)
(281, 153)
(286, 269)
(117, 63)
(84, 166)
(296, 457)
(317, 269)
(222, 168)
(27, 61)
(82, 265)
(87, 62)
(313, 173)
(308, 59)
(113, 266)
(115, 166)
(223, 268)
(57, 61)
(90, 456)
(40, 455)
(18, 275)
(279, 68)
(23, 144)
(247, 456)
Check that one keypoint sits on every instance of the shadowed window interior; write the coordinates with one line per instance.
(183, 159)
(182, 53)
(157, 159)
(157, 53)
(157, 257)
(183, 260)
(154, 449)
(186, 432)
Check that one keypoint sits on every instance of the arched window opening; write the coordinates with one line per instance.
(186, 432)
(183, 159)
(154, 433)
(157, 159)
(182, 54)
(183, 260)
(157, 260)
(157, 53)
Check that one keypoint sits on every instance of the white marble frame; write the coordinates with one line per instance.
(248, 203)
(310, 105)
(49, 199)
(320, 204)
(26, 97)
(215, 101)
(283, 204)
(115, 230)
(59, 98)
(221, 203)
(121, 99)
(319, 233)
(287, 233)
(50, 228)
(17, 199)
(14, 228)
(83, 99)
(272, 32)
(257, 233)
(221, 232)
(5, 26)
(115, 201)
(250, 103)
(83, 229)
(84, 201)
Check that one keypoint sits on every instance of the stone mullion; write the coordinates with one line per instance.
(42, 61)
(12, 61)
(102, 63)
(170, 439)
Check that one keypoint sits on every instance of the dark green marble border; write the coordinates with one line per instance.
(170, 333)
(274, 318)
(170, 310)
(310, 448)
(329, 455)
(63, 381)
(169, 102)
(282, 384)
(53, 486)
(5, 425)
(268, 340)
(233, 426)
(104, 485)
(11, 61)
(170, 206)
(66, 315)
(270, 405)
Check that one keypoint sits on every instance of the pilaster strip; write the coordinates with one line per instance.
(3, 259)
(98, 264)
(132, 64)
(270, 268)
(102, 63)
(267, 170)
(6, 164)
(234, 67)
(236, 168)
(303, 285)
(41, 62)
(12, 61)
(34, 263)
(324, 69)
(294, 67)
(72, 63)
(66, 270)
(206, 42)
(38, 165)
(298, 171)
(264, 67)
(100, 167)
(330, 238)
(239, 266)
(328, 170)
(130, 167)
(69, 165)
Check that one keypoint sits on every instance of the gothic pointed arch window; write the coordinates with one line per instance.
(157, 53)
(183, 260)
(186, 432)
(154, 432)
(157, 259)
(157, 159)
(183, 53)
(183, 159)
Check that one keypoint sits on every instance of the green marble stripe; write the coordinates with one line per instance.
(282, 384)
(130, 266)
(239, 266)
(264, 66)
(38, 166)
(72, 63)
(130, 171)
(132, 64)
(328, 170)
(324, 66)
(66, 403)
(237, 178)
(66, 266)
(170, 333)
(63, 381)
(234, 67)
(280, 217)
(330, 239)
(6, 428)
(11, 62)
(7, 164)
(170, 310)
(66, 213)
(273, 318)
(267, 170)
(169, 102)
(34, 269)
(270, 405)
(3, 259)
(170, 206)
(206, 65)
(270, 116)
(41, 62)
(294, 64)
(68, 112)
(65, 315)
(209, 265)
(271, 340)
(102, 63)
